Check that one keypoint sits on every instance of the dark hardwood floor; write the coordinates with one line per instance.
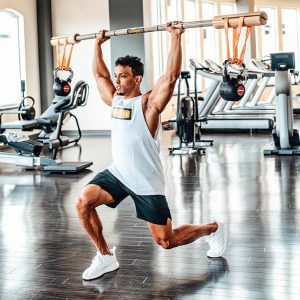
(44, 250)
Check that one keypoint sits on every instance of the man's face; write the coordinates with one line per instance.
(125, 82)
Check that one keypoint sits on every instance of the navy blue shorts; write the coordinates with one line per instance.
(151, 208)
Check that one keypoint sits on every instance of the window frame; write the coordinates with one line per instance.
(278, 5)
(162, 17)
(21, 55)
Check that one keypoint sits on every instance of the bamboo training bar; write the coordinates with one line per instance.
(250, 19)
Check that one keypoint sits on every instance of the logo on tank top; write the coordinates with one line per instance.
(121, 113)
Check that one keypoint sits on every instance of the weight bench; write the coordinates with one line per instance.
(50, 122)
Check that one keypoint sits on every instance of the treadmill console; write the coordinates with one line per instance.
(282, 61)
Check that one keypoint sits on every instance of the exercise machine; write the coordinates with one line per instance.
(224, 121)
(286, 138)
(49, 124)
(26, 111)
(188, 121)
(29, 150)
(29, 156)
(260, 66)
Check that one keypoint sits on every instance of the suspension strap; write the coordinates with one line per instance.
(236, 34)
(63, 63)
(69, 58)
(236, 40)
(242, 55)
(227, 37)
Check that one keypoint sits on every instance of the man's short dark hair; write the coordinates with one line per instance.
(134, 62)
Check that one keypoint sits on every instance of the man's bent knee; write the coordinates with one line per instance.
(163, 235)
(91, 197)
(166, 244)
(81, 206)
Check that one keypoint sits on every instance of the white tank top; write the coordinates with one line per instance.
(136, 160)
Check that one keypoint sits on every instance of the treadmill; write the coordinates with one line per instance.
(231, 107)
(227, 121)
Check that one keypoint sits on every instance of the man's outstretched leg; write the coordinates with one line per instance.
(167, 237)
(105, 261)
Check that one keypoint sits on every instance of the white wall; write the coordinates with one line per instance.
(28, 10)
(84, 16)
(69, 17)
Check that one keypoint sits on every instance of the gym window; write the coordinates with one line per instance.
(12, 58)
(200, 43)
(281, 33)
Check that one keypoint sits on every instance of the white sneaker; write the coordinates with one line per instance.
(101, 264)
(217, 241)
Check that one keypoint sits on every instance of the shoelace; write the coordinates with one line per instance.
(100, 258)
(97, 258)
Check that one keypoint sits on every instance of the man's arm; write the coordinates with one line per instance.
(102, 76)
(163, 89)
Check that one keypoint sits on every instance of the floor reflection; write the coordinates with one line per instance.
(160, 287)
(44, 250)
(34, 226)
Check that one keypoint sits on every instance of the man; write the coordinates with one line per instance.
(136, 170)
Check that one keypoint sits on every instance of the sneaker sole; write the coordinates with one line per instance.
(215, 256)
(105, 271)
